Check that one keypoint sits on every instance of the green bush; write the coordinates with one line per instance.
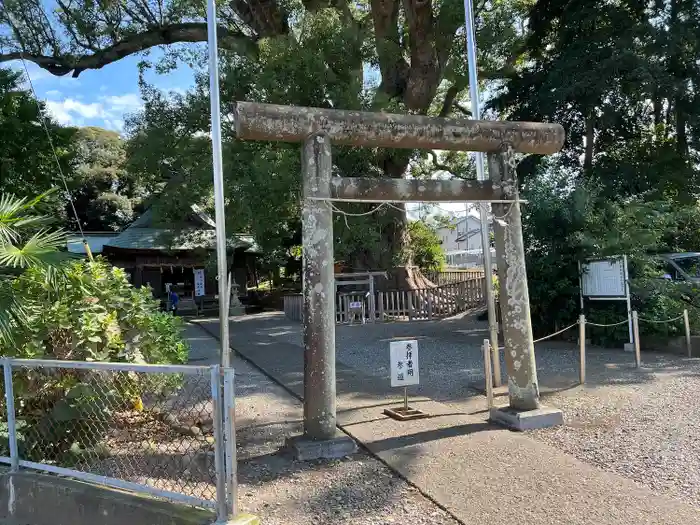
(86, 311)
(90, 311)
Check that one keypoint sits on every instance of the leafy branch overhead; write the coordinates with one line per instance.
(79, 35)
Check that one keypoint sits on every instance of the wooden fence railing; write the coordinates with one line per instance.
(454, 276)
(400, 305)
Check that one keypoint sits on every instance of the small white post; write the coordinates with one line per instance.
(495, 353)
(488, 377)
(372, 307)
(635, 328)
(688, 341)
(629, 300)
(582, 348)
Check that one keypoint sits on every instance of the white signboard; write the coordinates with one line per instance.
(604, 279)
(199, 282)
(404, 363)
(356, 305)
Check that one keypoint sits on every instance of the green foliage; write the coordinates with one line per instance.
(103, 191)
(91, 313)
(93, 161)
(27, 163)
(627, 180)
(424, 247)
(25, 242)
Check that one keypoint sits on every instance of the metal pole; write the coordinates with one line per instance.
(405, 399)
(488, 383)
(11, 422)
(481, 175)
(688, 340)
(219, 452)
(635, 327)
(230, 437)
(219, 216)
(582, 348)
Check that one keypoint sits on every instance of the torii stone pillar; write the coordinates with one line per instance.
(318, 288)
(524, 411)
(316, 128)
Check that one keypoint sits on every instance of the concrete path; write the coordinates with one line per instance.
(476, 471)
(283, 491)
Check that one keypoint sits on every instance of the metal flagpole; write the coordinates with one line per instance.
(481, 175)
(220, 217)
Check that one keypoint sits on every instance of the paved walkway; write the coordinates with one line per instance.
(283, 491)
(476, 471)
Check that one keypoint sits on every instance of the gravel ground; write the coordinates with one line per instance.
(357, 489)
(451, 359)
(649, 431)
(643, 424)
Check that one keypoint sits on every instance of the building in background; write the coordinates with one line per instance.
(163, 257)
(95, 240)
(462, 243)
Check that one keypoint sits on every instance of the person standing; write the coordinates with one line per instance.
(174, 300)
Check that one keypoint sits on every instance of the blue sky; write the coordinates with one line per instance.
(101, 97)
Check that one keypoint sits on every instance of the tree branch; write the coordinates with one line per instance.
(449, 100)
(464, 111)
(392, 64)
(171, 34)
(438, 166)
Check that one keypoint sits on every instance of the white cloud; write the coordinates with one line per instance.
(60, 113)
(53, 93)
(122, 103)
(107, 111)
(114, 125)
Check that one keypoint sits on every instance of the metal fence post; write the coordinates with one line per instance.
(582, 348)
(11, 423)
(230, 438)
(488, 375)
(635, 330)
(688, 340)
(221, 507)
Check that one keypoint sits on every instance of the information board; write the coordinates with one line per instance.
(199, 289)
(604, 279)
(404, 363)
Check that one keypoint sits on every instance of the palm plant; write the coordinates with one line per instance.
(26, 241)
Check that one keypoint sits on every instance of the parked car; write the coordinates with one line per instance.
(682, 266)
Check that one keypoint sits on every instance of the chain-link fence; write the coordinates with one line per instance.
(158, 429)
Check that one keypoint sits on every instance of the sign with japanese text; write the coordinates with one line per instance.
(404, 363)
(199, 282)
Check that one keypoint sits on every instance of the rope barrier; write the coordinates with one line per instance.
(661, 321)
(555, 333)
(600, 325)
(607, 325)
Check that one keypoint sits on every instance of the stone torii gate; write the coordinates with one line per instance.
(317, 129)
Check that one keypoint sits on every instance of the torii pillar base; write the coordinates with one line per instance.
(304, 448)
(521, 420)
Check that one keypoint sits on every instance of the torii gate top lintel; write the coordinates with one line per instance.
(372, 129)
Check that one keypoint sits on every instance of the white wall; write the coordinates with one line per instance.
(96, 243)
(449, 237)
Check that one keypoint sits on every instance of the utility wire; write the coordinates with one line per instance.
(58, 164)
